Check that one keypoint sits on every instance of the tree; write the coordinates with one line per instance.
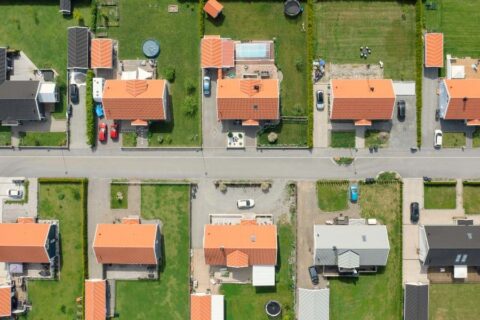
(190, 105)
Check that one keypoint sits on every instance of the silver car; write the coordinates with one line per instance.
(438, 139)
(245, 204)
(320, 100)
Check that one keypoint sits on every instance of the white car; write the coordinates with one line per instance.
(14, 193)
(245, 204)
(438, 139)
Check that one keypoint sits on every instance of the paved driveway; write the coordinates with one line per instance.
(320, 118)
(212, 129)
(429, 105)
(78, 121)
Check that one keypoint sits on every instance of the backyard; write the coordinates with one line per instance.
(170, 293)
(471, 198)
(245, 302)
(56, 299)
(289, 133)
(47, 48)
(386, 27)
(376, 296)
(440, 195)
(454, 301)
(458, 20)
(179, 43)
(332, 195)
(342, 139)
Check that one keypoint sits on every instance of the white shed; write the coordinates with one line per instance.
(98, 84)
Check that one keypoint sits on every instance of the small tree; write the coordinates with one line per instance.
(272, 137)
(190, 106)
(169, 73)
(190, 86)
(300, 64)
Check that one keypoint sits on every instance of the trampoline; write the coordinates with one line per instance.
(293, 8)
(151, 48)
(273, 308)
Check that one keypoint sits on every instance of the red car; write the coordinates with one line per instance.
(102, 132)
(114, 131)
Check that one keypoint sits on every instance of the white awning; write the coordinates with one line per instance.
(143, 75)
(47, 93)
(263, 276)
(458, 72)
(129, 75)
(460, 272)
(217, 308)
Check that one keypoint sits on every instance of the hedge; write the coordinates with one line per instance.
(310, 54)
(201, 18)
(419, 67)
(471, 183)
(94, 12)
(440, 183)
(90, 105)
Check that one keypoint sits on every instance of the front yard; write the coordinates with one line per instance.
(289, 133)
(453, 139)
(454, 301)
(377, 296)
(43, 139)
(56, 299)
(440, 195)
(5, 136)
(179, 40)
(167, 297)
(375, 138)
(332, 195)
(342, 139)
(471, 198)
(118, 196)
(386, 27)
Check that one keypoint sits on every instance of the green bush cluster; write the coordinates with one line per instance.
(169, 73)
(201, 18)
(90, 105)
(419, 67)
(310, 54)
(471, 183)
(94, 12)
(440, 183)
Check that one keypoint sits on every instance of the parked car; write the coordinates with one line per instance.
(102, 132)
(114, 131)
(74, 93)
(414, 212)
(206, 86)
(438, 139)
(320, 100)
(69, 111)
(245, 204)
(312, 271)
(401, 109)
(353, 191)
(437, 114)
(15, 193)
(369, 180)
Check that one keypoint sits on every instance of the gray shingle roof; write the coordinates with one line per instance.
(18, 100)
(66, 6)
(313, 304)
(416, 301)
(78, 47)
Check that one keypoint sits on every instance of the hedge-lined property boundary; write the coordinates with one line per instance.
(310, 55)
(91, 129)
(471, 183)
(440, 183)
(419, 66)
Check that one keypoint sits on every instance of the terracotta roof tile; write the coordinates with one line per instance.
(95, 299)
(5, 301)
(126, 243)
(240, 99)
(101, 53)
(24, 242)
(134, 99)
(434, 50)
(200, 307)
(464, 103)
(237, 259)
(362, 99)
(217, 52)
(213, 8)
(232, 243)
(25, 220)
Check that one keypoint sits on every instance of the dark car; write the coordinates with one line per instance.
(401, 109)
(313, 274)
(73, 93)
(69, 111)
(414, 212)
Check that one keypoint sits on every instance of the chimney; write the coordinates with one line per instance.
(222, 248)
(253, 238)
(256, 87)
(372, 89)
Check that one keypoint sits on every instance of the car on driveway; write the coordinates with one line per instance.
(206, 86)
(74, 93)
(102, 132)
(312, 271)
(245, 204)
(438, 139)
(15, 193)
(414, 212)
(401, 109)
(353, 193)
(114, 131)
(320, 100)
(69, 111)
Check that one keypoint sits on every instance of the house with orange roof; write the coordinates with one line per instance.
(213, 8)
(206, 307)
(433, 50)
(217, 52)
(101, 54)
(127, 244)
(6, 295)
(95, 299)
(361, 100)
(459, 99)
(137, 101)
(245, 246)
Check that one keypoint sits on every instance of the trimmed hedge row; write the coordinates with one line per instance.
(90, 105)
(94, 12)
(440, 183)
(310, 55)
(471, 183)
(419, 67)
(201, 18)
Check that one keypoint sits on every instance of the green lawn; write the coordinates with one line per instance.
(129, 139)
(332, 196)
(458, 20)
(453, 139)
(377, 296)
(342, 139)
(471, 199)
(290, 133)
(387, 27)
(454, 301)
(5, 136)
(376, 138)
(47, 139)
(38, 29)
(440, 196)
(245, 302)
(476, 138)
(56, 299)
(178, 35)
(116, 203)
(168, 297)
(264, 20)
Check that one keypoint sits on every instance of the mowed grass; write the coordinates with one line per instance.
(290, 133)
(376, 296)
(453, 139)
(260, 20)
(38, 29)
(342, 139)
(471, 199)
(388, 28)
(56, 299)
(454, 301)
(179, 40)
(458, 20)
(46, 139)
(168, 297)
(376, 138)
(115, 202)
(246, 302)
(440, 196)
(5, 136)
(332, 196)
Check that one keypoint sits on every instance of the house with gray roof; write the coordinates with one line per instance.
(349, 249)
(313, 304)
(66, 7)
(78, 48)
(415, 306)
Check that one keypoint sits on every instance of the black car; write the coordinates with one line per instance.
(313, 274)
(73, 93)
(69, 111)
(401, 109)
(414, 212)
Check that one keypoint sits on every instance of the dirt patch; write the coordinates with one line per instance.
(352, 71)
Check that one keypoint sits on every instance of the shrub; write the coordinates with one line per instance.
(190, 106)
(190, 86)
(94, 12)
(90, 104)
(78, 16)
(387, 176)
(272, 137)
(300, 64)
(169, 73)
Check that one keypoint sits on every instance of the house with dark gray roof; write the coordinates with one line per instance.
(415, 306)
(78, 47)
(350, 248)
(66, 7)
